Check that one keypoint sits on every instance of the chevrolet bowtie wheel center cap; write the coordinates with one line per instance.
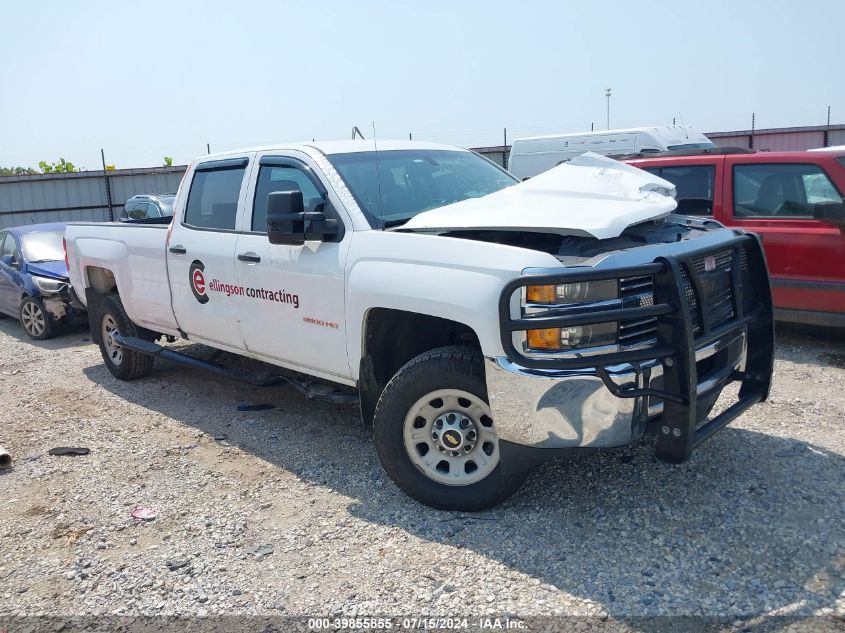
(453, 433)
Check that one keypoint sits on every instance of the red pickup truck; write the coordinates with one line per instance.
(793, 200)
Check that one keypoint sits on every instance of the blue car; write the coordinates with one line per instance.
(34, 283)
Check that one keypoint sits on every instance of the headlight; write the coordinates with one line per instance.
(48, 286)
(568, 338)
(571, 293)
(556, 299)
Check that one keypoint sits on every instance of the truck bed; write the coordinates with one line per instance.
(136, 255)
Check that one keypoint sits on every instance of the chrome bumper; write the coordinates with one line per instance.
(547, 408)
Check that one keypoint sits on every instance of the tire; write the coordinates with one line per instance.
(122, 363)
(38, 324)
(413, 411)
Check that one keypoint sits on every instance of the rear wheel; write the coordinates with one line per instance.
(435, 434)
(36, 321)
(123, 363)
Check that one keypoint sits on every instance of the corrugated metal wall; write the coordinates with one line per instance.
(740, 140)
(837, 137)
(789, 141)
(782, 139)
(80, 196)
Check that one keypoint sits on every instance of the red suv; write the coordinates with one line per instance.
(793, 200)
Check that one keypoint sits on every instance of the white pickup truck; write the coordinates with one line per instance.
(484, 324)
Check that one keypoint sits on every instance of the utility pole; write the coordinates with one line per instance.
(607, 94)
(592, 127)
(108, 186)
(208, 148)
(827, 131)
(751, 140)
(505, 150)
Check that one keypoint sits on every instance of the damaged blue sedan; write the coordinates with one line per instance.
(34, 284)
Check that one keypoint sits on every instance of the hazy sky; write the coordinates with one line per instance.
(149, 79)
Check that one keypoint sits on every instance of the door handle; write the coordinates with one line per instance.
(249, 257)
(178, 249)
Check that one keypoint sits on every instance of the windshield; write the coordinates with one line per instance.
(43, 247)
(406, 182)
(691, 146)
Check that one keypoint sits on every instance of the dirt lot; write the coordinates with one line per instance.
(752, 525)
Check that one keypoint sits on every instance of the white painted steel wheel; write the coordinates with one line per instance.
(449, 437)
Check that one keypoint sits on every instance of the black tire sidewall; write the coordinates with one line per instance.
(133, 364)
(49, 322)
(443, 368)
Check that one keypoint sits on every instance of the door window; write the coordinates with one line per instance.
(695, 184)
(10, 247)
(213, 198)
(273, 178)
(781, 190)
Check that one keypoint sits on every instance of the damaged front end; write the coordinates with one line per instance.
(58, 298)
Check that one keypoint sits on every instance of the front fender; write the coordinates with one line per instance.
(450, 278)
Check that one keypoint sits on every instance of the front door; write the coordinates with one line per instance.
(776, 200)
(294, 308)
(9, 291)
(201, 254)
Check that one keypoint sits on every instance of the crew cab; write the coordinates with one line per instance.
(792, 200)
(484, 325)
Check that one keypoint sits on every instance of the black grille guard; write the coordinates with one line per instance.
(676, 343)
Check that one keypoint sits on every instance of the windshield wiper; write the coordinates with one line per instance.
(388, 224)
(43, 261)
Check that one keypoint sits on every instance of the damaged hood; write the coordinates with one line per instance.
(591, 195)
(52, 269)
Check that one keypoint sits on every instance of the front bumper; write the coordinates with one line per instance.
(611, 399)
(64, 305)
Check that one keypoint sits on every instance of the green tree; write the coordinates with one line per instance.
(168, 161)
(17, 171)
(62, 167)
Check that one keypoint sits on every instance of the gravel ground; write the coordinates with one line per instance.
(288, 512)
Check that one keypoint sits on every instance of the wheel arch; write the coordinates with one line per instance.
(100, 279)
(391, 337)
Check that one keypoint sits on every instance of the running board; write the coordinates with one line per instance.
(311, 389)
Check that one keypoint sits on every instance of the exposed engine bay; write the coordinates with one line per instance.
(573, 249)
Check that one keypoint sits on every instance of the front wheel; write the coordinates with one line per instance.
(435, 434)
(36, 321)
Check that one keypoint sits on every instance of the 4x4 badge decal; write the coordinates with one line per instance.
(197, 281)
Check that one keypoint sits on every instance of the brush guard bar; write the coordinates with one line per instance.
(681, 429)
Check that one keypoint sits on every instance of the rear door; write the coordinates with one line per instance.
(201, 253)
(776, 199)
(293, 310)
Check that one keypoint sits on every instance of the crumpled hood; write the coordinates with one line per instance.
(591, 195)
(53, 270)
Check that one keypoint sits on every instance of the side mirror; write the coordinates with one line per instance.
(318, 227)
(289, 223)
(830, 212)
(285, 221)
(10, 261)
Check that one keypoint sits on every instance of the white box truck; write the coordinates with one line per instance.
(531, 156)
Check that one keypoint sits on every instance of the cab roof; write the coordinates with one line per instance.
(338, 147)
